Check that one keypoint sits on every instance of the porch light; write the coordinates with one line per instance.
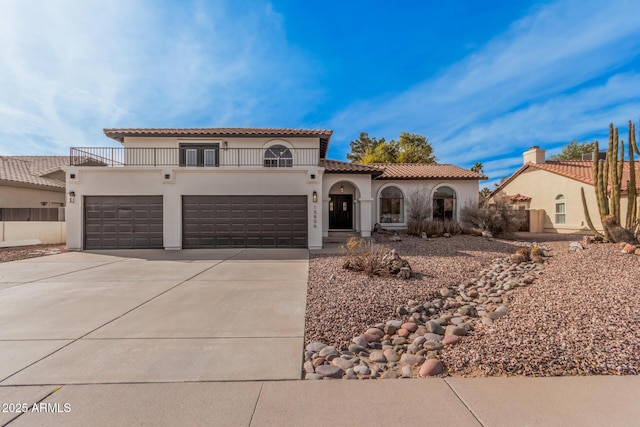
(315, 197)
(341, 188)
(72, 196)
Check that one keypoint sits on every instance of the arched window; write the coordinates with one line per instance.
(278, 156)
(561, 209)
(444, 203)
(391, 206)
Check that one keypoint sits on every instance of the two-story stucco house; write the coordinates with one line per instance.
(240, 187)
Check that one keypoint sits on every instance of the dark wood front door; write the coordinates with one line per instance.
(341, 212)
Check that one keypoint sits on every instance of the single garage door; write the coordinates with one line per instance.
(123, 222)
(244, 221)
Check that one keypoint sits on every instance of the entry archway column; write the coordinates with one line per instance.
(366, 213)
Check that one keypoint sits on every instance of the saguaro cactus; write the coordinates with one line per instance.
(607, 183)
(632, 208)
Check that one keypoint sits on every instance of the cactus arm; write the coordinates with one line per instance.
(587, 216)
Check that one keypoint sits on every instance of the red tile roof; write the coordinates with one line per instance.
(518, 198)
(580, 170)
(335, 166)
(30, 170)
(402, 170)
(120, 134)
(426, 171)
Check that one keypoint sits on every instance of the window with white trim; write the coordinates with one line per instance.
(278, 156)
(444, 203)
(391, 206)
(561, 209)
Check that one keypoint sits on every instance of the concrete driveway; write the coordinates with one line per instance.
(153, 316)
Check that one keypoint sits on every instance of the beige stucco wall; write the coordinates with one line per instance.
(24, 197)
(47, 232)
(543, 187)
(131, 181)
(466, 192)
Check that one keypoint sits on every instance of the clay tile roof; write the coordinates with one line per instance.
(580, 170)
(335, 166)
(120, 134)
(518, 198)
(426, 171)
(30, 169)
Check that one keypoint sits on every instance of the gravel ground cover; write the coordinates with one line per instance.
(23, 252)
(580, 318)
(343, 306)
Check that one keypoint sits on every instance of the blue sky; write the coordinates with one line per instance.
(482, 80)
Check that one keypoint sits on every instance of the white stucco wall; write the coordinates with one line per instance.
(232, 142)
(47, 232)
(360, 186)
(132, 181)
(466, 192)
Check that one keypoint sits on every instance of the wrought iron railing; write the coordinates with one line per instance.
(222, 157)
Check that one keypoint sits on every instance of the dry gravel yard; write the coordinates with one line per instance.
(581, 317)
(23, 252)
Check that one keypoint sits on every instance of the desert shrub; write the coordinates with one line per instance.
(374, 260)
(414, 228)
(419, 205)
(498, 218)
(364, 255)
(433, 227)
(522, 255)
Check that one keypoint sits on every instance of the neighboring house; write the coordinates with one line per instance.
(551, 191)
(32, 181)
(241, 187)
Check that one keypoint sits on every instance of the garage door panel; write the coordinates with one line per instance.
(244, 221)
(123, 222)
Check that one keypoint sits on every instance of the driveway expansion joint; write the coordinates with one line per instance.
(463, 402)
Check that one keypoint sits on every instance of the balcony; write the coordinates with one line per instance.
(197, 156)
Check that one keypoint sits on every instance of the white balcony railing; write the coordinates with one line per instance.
(216, 157)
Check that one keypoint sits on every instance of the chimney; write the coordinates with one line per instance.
(534, 155)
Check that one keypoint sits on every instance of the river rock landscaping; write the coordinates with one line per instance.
(473, 307)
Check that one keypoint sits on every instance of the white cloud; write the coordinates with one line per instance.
(550, 78)
(71, 68)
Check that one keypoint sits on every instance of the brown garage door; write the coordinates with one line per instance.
(123, 222)
(244, 221)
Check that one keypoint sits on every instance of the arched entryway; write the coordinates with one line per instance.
(341, 206)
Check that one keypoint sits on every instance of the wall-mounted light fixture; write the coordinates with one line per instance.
(341, 188)
(315, 197)
(72, 196)
(43, 203)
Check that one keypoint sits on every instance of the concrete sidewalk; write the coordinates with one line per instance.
(517, 401)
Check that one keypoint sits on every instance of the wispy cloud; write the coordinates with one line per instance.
(552, 77)
(71, 68)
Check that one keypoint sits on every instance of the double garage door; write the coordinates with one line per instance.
(136, 222)
(244, 221)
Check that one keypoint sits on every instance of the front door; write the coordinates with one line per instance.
(340, 212)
